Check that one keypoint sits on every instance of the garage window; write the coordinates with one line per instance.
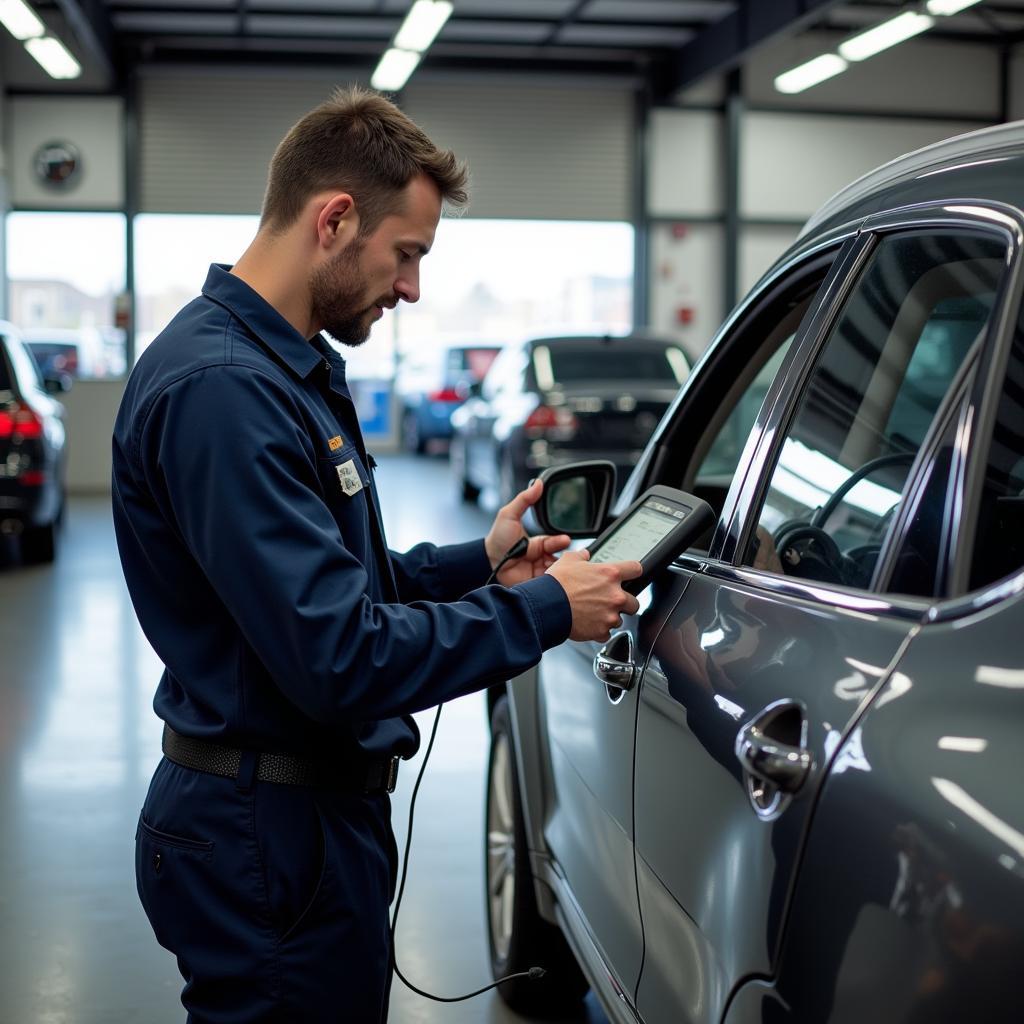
(892, 366)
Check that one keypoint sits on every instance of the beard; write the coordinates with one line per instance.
(337, 291)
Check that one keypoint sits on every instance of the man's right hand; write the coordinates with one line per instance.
(595, 593)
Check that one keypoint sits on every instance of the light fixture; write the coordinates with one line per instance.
(424, 20)
(889, 33)
(20, 20)
(394, 70)
(54, 57)
(947, 7)
(828, 65)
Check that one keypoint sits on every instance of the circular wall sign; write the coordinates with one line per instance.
(57, 164)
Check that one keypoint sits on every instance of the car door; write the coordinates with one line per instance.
(589, 725)
(786, 628)
(918, 833)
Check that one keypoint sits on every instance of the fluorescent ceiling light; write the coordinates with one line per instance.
(54, 57)
(889, 33)
(394, 70)
(950, 6)
(828, 65)
(424, 20)
(20, 20)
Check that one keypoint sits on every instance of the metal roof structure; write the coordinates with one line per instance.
(668, 43)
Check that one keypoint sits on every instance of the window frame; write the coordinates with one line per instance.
(980, 217)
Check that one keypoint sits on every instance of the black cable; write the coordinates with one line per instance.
(515, 551)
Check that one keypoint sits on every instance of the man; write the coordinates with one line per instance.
(296, 645)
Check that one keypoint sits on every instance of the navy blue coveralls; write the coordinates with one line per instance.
(261, 577)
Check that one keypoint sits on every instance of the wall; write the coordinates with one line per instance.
(91, 410)
(795, 152)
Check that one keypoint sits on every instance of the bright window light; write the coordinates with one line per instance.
(889, 33)
(54, 58)
(424, 20)
(828, 65)
(20, 20)
(394, 70)
(946, 7)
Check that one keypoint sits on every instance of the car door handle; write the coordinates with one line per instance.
(614, 664)
(763, 752)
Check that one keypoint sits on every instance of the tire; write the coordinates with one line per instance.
(518, 937)
(457, 460)
(39, 544)
(412, 440)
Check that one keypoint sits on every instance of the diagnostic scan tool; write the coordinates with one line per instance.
(661, 524)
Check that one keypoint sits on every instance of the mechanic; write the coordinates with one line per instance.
(295, 645)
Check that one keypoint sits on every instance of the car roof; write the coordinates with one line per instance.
(988, 163)
(582, 340)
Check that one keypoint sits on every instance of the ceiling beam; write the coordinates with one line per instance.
(90, 23)
(723, 45)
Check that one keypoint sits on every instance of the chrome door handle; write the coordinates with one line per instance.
(614, 664)
(768, 758)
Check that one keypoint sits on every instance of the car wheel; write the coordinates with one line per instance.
(457, 460)
(39, 544)
(519, 937)
(412, 440)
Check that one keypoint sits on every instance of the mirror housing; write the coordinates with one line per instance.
(57, 385)
(576, 498)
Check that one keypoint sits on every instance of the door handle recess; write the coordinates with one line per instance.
(614, 664)
(772, 750)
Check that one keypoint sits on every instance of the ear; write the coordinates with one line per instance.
(337, 221)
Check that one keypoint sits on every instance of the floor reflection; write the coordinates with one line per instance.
(78, 743)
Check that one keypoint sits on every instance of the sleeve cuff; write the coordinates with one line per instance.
(551, 609)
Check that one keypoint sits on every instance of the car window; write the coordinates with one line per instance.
(6, 383)
(567, 364)
(999, 536)
(25, 368)
(889, 368)
(505, 373)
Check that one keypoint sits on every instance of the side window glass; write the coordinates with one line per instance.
(888, 370)
(999, 538)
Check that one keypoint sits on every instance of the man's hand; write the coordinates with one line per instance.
(508, 529)
(595, 593)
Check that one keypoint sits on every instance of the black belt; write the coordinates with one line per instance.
(366, 777)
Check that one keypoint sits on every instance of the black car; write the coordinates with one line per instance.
(786, 790)
(32, 452)
(552, 400)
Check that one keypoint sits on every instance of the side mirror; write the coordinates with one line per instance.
(576, 498)
(57, 385)
(471, 388)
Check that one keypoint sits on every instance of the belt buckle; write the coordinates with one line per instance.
(392, 778)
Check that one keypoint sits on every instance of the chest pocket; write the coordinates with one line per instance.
(346, 486)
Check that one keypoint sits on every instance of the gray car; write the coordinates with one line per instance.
(786, 791)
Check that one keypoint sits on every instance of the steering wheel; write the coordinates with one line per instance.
(810, 547)
(823, 514)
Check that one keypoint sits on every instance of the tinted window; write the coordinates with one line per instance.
(5, 372)
(883, 376)
(555, 364)
(999, 547)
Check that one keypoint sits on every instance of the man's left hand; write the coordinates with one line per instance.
(508, 529)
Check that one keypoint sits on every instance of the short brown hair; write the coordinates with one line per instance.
(361, 143)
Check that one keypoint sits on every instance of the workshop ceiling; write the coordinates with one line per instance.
(671, 43)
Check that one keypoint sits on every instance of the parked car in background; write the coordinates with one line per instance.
(32, 450)
(787, 790)
(80, 353)
(431, 386)
(551, 400)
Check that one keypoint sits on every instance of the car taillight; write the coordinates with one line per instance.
(19, 421)
(445, 395)
(546, 417)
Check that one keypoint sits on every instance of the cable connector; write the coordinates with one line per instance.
(536, 973)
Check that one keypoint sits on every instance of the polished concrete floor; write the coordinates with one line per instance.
(79, 741)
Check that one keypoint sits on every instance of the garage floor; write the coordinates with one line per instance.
(79, 741)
